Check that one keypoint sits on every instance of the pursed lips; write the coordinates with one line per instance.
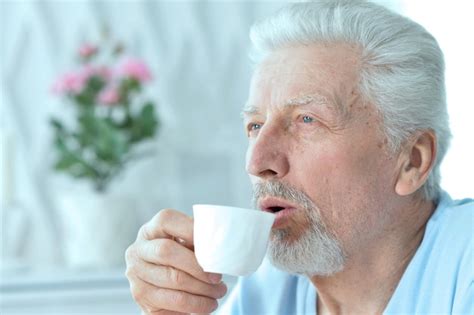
(274, 205)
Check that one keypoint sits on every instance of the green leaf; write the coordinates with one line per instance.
(57, 125)
(144, 125)
(149, 120)
(60, 144)
(130, 84)
(87, 97)
(83, 99)
(65, 162)
(95, 84)
(111, 145)
(80, 170)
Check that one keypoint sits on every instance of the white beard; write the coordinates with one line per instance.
(315, 252)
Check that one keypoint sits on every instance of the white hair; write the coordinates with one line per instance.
(402, 64)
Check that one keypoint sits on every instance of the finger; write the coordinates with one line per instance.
(171, 278)
(169, 253)
(158, 299)
(160, 312)
(163, 312)
(169, 223)
(183, 242)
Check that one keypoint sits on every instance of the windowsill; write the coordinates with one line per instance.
(69, 292)
(66, 292)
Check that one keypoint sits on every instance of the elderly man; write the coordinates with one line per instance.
(347, 127)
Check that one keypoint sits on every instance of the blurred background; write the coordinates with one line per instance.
(66, 224)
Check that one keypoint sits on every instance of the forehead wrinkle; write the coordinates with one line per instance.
(314, 99)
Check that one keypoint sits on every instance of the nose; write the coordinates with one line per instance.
(267, 154)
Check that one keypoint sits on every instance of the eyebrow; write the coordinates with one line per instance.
(317, 99)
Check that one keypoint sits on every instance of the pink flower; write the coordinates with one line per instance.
(109, 96)
(87, 50)
(70, 82)
(86, 72)
(134, 68)
(75, 81)
(104, 72)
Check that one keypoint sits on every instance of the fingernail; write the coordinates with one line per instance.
(215, 277)
(223, 289)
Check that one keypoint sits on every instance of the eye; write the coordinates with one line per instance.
(252, 128)
(307, 119)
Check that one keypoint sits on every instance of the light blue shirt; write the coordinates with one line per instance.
(438, 280)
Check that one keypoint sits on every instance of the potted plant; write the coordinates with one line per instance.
(111, 116)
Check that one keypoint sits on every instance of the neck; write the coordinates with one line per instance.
(372, 273)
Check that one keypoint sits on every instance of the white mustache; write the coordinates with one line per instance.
(284, 191)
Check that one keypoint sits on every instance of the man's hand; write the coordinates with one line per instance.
(164, 275)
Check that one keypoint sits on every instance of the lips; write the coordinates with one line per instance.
(282, 209)
(274, 205)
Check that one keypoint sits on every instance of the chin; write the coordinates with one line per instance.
(312, 253)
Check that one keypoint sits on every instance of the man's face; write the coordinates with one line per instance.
(316, 150)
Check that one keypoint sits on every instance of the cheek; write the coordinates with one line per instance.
(354, 178)
(353, 162)
(338, 178)
(328, 165)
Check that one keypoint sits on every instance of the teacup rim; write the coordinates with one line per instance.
(250, 210)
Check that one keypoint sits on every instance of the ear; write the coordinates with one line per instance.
(416, 163)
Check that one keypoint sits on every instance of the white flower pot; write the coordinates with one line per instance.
(96, 228)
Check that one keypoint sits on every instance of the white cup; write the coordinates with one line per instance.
(230, 240)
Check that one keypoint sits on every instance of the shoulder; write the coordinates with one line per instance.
(456, 246)
(449, 235)
(439, 279)
(451, 225)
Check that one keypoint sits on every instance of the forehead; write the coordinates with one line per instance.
(322, 73)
